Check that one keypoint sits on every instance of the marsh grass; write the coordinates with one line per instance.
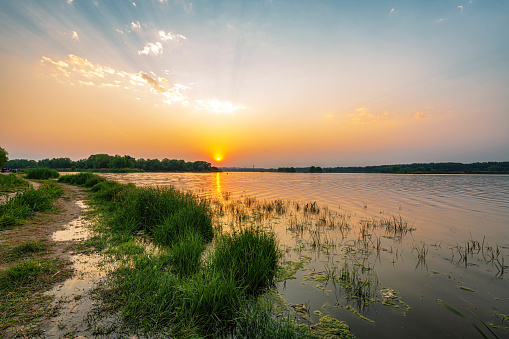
(11, 182)
(250, 256)
(42, 174)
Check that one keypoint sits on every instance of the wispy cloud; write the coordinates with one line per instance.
(156, 48)
(430, 112)
(217, 106)
(75, 36)
(134, 4)
(70, 2)
(422, 115)
(362, 116)
(135, 25)
(165, 36)
(81, 72)
(152, 48)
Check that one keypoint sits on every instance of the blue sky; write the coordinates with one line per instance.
(274, 83)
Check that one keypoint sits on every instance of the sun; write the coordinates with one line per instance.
(218, 159)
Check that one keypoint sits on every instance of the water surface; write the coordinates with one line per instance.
(454, 250)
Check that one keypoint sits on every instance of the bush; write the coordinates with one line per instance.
(42, 174)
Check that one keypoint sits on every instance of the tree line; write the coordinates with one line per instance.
(416, 168)
(102, 162)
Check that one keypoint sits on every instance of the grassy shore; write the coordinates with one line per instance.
(176, 274)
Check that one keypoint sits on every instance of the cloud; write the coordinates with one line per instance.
(392, 11)
(135, 25)
(75, 36)
(152, 48)
(461, 8)
(153, 83)
(170, 36)
(70, 2)
(134, 4)
(362, 116)
(156, 48)
(81, 72)
(216, 106)
(422, 115)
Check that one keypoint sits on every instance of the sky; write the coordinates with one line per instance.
(256, 83)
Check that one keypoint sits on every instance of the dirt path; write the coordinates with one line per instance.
(43, 226)
(53, 229)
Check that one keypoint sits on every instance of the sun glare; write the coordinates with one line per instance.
(218, 159)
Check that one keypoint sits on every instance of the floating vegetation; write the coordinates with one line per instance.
(466, 288)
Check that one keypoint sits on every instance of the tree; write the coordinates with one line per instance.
(3, 156)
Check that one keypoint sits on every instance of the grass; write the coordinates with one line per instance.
(42, 174)
(16, 210)
(25, 250)
(187, 280)
(19, 284)
(250, 256)
(11, 182)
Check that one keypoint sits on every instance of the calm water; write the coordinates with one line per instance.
(447, 214)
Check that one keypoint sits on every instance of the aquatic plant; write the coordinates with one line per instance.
(250, 256)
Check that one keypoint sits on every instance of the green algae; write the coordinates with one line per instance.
(354, 311)
(466, 288)
(388, 301)
(328, 328)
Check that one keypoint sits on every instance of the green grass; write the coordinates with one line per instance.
(24, 250)
(42, 174)
(19, 284)
(250, 256)
(16, 210)
(11, 182)
(189, 281)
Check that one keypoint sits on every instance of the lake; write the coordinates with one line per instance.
(409, 256)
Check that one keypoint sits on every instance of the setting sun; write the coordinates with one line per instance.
(218, 159)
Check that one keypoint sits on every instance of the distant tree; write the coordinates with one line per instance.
(314, 169)
(3, 156)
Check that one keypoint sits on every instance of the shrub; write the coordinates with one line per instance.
(42, 174)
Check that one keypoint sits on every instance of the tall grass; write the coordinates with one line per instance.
(250, 256)
(11, 182)
(24, 204)
(42, 174)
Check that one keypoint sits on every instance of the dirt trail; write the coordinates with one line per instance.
(43, 226)
(56, 230)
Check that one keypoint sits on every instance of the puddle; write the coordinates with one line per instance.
(73, 296)
(74, 231)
